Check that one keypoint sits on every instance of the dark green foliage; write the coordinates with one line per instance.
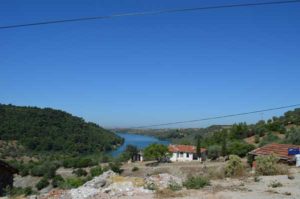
(239, 131)
(78, 162)
(250, 159)
(96, 171)
(156, 152)
(240, 148)
(42, 183)
(197, 182)
(256, 139)
(57, 181)
(224, 142)
(46, 169)
(198, 146)
(73, 182)
(80, 172)
(53, 130)
(269, 138)
(116, 167)
(214, 151)
(129, 152)
(293, 136)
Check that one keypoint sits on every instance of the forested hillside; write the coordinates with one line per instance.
(53, 130)
(236, 139)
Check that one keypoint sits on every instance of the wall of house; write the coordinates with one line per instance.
(181, 157)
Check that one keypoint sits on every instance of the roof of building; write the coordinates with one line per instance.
(4, 165)
(184, 148)
(280, 150)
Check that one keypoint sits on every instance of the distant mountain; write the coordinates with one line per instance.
(46, 129)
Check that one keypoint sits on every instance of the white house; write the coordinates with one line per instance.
(185, 153)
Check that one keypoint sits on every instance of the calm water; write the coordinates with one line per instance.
(140, 141)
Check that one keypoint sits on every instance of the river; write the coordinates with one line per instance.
(140, 141)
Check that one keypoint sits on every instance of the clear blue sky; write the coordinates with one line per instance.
(152, 69)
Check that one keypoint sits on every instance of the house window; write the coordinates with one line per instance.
(181, 154)
(187, 155)
(177, 155)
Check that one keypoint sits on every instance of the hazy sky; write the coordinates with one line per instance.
(151, 69)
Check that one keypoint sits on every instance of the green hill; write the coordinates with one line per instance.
(46, 129)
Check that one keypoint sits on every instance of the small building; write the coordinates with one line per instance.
(139, 157)
(6, 176)
(282, 151)
(186, 153)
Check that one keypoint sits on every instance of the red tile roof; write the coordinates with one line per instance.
(184, 148)
(280, 150)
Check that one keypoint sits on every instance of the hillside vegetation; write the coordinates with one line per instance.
(237, 139)
(49, 130)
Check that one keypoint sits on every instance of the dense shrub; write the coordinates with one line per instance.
(79, 162)
(267, 165)
(70, 183)
(46, 129)
(46, 169)
(156, 152)
(269, 138)
(196, 182)
(115, 167)
(214, 151)
(234, 166)
(293, 136)
(42, 183)
(57, 181)
(240, 148)
(96, 171)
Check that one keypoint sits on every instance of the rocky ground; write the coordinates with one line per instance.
(141, 184)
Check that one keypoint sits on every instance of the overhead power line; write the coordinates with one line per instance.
(148, 13)
(217, 117)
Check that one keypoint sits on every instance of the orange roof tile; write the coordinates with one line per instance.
(280, 150)
(184, 148)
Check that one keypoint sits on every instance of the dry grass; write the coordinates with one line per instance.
(168, 193)
(138, 182)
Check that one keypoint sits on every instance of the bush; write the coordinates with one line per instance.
(116, 167)
(214, 151)
(79, 172)
(174, 186)
(234, 166)
(18, 191)
(57, 181)
(267, 165)
(197, 182)
(269, 138)
(78, 162)
(96, 171)
(135, 169)
(275, 184)
(293, 136)
(46, 169)
(240, 148)
(256, 139)
(42, 183)
(73, 182)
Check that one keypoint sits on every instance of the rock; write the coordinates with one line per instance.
(90, 188)
(162, 181)
(101, 181)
